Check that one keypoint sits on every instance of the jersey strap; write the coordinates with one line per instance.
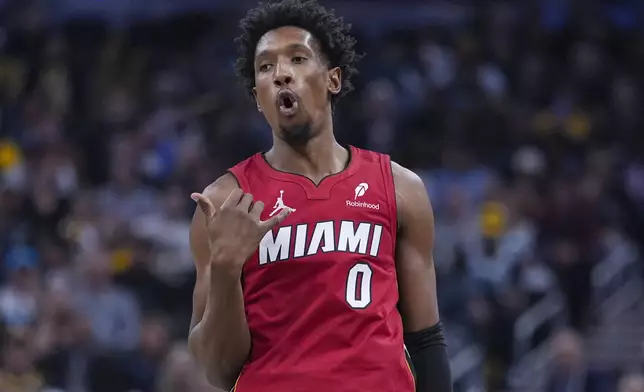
(390, 189)
(239, 172)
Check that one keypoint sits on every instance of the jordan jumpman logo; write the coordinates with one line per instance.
(279, 205)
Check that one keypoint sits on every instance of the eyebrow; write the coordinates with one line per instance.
(290, 47)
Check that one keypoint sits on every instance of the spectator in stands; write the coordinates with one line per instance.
(19, 299)
(18, 372)
(179, 373)
(113, 313)
(65, 347)
(139, 369)
(570, 370)
(124, 197)
(166, 229)
(632, 382)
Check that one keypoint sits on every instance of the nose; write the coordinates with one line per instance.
(283, 76)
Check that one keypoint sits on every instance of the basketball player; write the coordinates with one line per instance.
(321, 292)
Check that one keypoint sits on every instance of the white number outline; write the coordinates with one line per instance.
(364, 269)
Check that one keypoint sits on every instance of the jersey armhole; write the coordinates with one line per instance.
(390, 190)
(241, 179)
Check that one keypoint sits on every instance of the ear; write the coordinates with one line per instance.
(259, 108)
(334, 80)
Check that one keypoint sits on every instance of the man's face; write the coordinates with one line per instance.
(293, 83)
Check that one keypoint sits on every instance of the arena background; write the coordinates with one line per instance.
(524, 119)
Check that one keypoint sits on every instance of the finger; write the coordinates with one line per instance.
(245, 202)
(274, 221)
(204, 204)
(233, 198)
(256, 209)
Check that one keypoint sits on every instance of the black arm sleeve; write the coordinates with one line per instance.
(428, 353)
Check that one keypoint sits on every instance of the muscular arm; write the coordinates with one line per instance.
(219, 337)
(417, 283)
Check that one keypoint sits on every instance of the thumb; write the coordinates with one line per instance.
(274, 221)
(204, 204)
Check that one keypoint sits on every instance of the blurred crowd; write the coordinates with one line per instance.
(525, 125)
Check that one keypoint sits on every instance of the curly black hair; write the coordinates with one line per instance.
(330, 31)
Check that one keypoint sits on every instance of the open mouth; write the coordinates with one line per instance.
(287, 102)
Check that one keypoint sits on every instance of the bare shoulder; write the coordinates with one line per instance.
(405, 179)
(217, 192)
(411, 194)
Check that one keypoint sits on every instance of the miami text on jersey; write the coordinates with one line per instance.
(291, 242)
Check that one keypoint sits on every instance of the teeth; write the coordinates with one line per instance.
(287, 101)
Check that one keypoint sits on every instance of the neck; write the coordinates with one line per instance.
(319, 157)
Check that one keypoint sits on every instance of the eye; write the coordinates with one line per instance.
(265, 67)
(298, 59)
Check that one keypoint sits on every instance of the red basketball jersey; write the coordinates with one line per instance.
(321, 292)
